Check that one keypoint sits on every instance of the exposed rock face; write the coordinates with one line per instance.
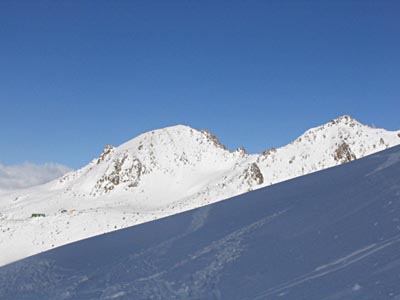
(343, 153)
(213, 138)
(346, 119)
(252, 175)
(107, 150)
(123, 170)
(269, 152)
(242, 151)
(267, 155)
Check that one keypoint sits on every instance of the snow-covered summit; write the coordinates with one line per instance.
(338, 141)
(174, 154)
(163, 172)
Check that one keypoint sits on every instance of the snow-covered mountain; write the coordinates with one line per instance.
(334, 234)
(164, 172)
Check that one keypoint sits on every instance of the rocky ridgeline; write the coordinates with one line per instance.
(108, 149)
(174, 149)
(213, 139)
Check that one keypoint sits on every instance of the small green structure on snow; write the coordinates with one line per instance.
(37, 215)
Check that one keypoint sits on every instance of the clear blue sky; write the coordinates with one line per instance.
(76, 75)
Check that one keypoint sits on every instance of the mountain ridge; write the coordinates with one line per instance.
(164, 172)
(328, 235)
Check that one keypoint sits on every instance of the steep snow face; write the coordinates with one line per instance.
(164, 172)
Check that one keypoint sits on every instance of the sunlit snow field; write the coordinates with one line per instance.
(334, 234)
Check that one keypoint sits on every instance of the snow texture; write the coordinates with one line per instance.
(164, 172)
(334, 234)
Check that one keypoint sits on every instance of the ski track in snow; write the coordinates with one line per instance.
(393, 159)
(225, 251)
(331, 267)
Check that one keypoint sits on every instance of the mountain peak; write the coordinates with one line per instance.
(345, 120)
(173, 138)
(170, 153)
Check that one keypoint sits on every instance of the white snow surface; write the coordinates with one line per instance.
(164, 172)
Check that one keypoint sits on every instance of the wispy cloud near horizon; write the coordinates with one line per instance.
(29, 174)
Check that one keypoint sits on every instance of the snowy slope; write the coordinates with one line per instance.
(164, 172)
(334, 234)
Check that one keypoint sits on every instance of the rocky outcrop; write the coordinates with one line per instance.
(346, 119)
(108, 149)
(252, 176)
(266, 154)
(125, 169)
(343, 153)
(212, 138)
(241, 151)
